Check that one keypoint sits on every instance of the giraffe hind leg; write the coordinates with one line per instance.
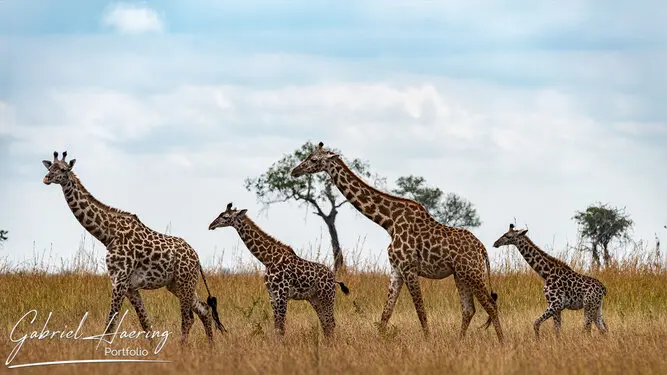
(467, 304)
(325, 312)
(599, 321)
(204, 313)
(485, 299)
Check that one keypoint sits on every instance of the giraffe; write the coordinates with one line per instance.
(563, 287)
(420, 246)
(137, 256)
(287, 276)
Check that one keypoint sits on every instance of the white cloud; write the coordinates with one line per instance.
(534, 154)
(129, 18)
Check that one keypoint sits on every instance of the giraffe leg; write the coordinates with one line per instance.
(557, 322)
(204, 313)
(546, 315)
(119, 286)
(467, 304)
(599, 321)
(279, 305)
(325, 312)
(412, 282)
(135, 299)
(187, 317)
(395, 285)
(488, 304)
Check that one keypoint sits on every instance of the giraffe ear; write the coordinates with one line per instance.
(241, 213)
(47, 164)
(523, 232)
(71, 163)
(332, 155)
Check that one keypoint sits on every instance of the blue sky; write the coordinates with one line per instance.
(530, 110)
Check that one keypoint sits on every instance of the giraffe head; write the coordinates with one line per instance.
(317, 161)
(60, 171)
(510, 237)
(228, 218)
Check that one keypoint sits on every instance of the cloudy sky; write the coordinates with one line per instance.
(529, 111)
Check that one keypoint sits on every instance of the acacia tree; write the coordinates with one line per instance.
(600, 224)
(449, 209)
(314, 190)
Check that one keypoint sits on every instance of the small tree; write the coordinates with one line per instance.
(314, 190)
(600, 224)
(450, 209)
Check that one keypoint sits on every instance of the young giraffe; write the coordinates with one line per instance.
(563, 287)
(137, 257)
(420, 246)
(287, 275)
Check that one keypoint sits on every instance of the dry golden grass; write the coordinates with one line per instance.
(635, 310)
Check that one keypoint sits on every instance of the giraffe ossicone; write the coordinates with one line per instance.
(420, 246)
(287, 276)
(137, 256)
(564, 288)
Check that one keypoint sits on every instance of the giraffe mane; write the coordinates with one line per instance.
(272, 239)
(378, 191)
(546, 255)
(97, 202)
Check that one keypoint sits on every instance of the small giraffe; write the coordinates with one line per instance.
(287, 275)
(420, 246)
(137, 256)
(563, 287)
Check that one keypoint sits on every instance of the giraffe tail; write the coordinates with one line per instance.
(343, 287)
(212, 302)
(494, 295)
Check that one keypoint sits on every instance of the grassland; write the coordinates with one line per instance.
(635, 310)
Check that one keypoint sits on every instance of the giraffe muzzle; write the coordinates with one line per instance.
(47, 180)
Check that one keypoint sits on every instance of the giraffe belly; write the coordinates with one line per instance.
(434, 271)
(141, 279)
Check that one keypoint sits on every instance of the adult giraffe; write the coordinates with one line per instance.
(420, 246)
(137, 256)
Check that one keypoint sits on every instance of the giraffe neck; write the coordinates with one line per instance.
(265, 248)
(538, 260)
(97, 218)
(371, 202)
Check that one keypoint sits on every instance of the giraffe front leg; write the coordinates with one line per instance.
(135, 299)
(395, 285)
(412, 282)
(279, 305)
(557, 322)
(119, 287)
(547, 314)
